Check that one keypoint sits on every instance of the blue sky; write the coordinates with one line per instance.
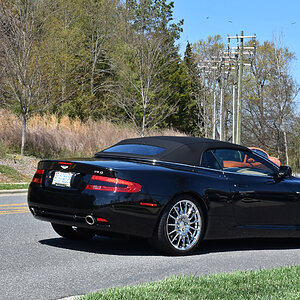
(266, 18)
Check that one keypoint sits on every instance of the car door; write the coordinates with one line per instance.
(217, 195)
(258, 197)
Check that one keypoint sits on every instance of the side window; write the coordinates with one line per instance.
(263, 154)
(209, 161)
(243, 162)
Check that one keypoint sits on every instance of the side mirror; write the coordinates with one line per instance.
(284, 172)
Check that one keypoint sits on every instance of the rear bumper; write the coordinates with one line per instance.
(66, 219)
(121, 210)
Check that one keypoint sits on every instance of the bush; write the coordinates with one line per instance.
(48, 136)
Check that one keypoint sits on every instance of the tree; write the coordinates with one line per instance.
(294, 146)
(269, 100)
(283, 91)
(21, 28)
(186, 83)
(78, 45)
(147, 52)
(64, 46)
(208, 60)
(101, 29)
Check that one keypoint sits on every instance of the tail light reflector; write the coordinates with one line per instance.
(148, 204)
(37, 178)
(102, 220)
(109, 184)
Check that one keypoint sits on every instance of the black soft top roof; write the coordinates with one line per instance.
(179, 149)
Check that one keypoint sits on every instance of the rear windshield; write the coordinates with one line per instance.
(136, 149)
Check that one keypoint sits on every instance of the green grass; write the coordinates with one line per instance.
(13, 186)
(12, 174)
(281, 283)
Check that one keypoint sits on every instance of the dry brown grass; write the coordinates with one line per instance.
(47, 136)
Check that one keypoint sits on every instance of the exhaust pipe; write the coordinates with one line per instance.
(33, 211)
(90, 220)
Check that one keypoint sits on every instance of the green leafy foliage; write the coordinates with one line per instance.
(13, 186)
(144, 64)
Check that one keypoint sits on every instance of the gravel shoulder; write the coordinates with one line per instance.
(25, 165)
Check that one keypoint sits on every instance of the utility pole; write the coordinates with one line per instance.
(221, 112)
(239, 66)
(239, 104)
(214, 114)
(217, 69)
(234, 102)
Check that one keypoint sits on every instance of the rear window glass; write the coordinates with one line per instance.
(136, 149)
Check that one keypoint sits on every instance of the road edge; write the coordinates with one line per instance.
(12, 192)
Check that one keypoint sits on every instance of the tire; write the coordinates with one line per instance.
(73, 233)
(181, 227)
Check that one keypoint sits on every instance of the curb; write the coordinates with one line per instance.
(71, 297)
(20, 191)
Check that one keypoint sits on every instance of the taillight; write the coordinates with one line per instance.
(37, 178)
(109, 184)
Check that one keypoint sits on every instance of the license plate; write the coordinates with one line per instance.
(62, 179)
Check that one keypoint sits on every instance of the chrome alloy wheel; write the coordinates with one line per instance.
(183, 226)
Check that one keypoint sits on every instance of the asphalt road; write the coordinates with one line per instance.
(35, 263)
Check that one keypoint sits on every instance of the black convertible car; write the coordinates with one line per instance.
(175, 191)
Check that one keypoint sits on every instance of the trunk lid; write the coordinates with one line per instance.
(75, 175)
